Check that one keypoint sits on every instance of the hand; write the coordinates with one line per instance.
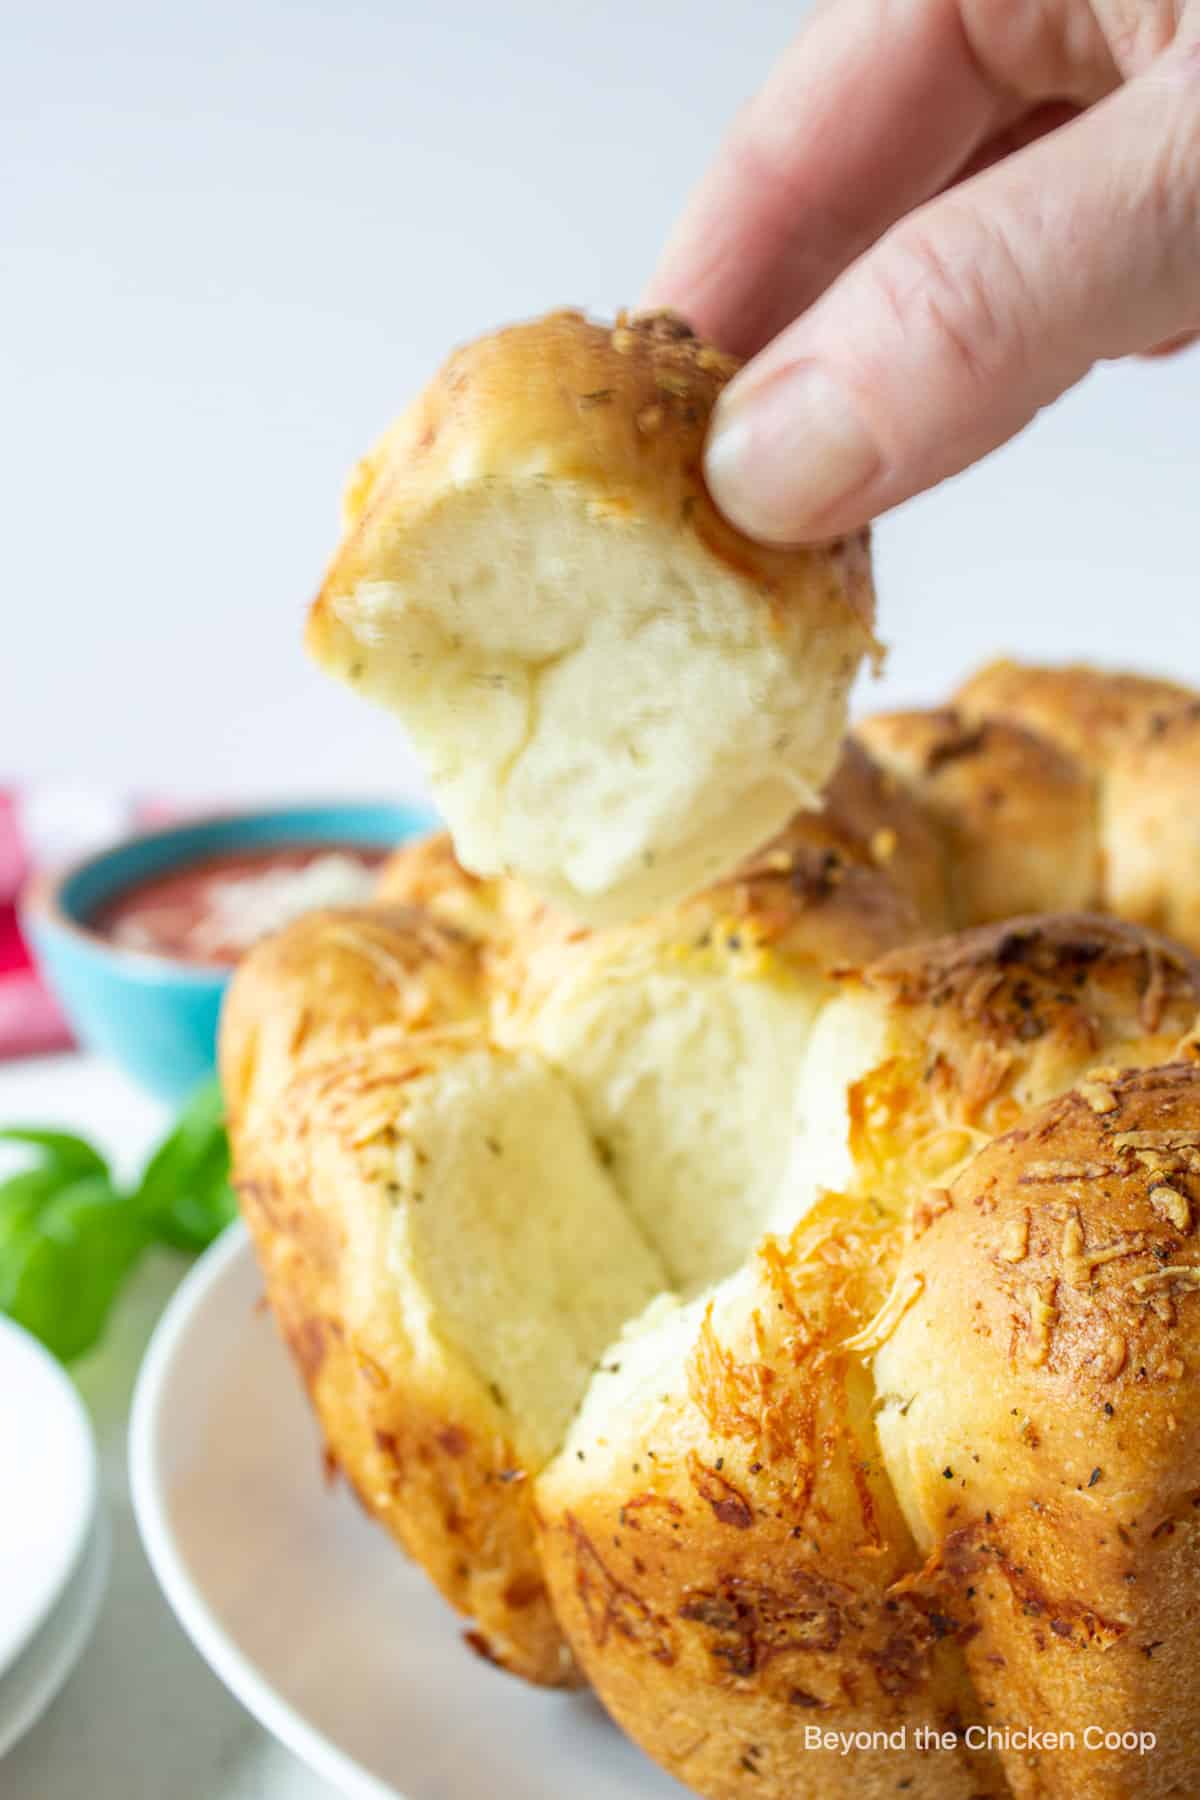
(1042, 159)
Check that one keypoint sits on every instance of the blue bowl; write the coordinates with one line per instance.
(154, 1014)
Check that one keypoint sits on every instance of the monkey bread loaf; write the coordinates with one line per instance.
(781, 1310)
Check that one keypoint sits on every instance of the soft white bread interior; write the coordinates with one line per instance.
(684, 1036)
(616, 696)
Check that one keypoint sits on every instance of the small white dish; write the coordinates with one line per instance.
(31, 1683)
(304, 1608)
(48, 1494)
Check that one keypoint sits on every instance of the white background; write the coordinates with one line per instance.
(238, 234)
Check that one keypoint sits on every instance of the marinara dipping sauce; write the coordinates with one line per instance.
(212, 911)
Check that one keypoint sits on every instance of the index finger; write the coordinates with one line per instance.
(874, 108)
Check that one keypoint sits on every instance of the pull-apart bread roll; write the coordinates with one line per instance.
(615, 694)
(641, 1300)
(1055, 1479)
(1090, 713)
(1017, 816)
(326, 984)
(542, 1166)
(726, 1536)
(1057, 787)
(1138, 738)
(1152, 825)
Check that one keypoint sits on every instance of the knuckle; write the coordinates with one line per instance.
(963, 290)
(1136, 31)
(1168, 195)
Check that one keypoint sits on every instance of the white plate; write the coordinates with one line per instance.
(30, 1684)
(48, 1487)
(304, 1608)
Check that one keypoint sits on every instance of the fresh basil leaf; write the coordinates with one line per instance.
(61, 1150)
(69, 1238)
(64, 1271)
(27, 1188)
(22, 1199)
(184, 1195)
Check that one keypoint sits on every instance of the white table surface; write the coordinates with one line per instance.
(141, 1718)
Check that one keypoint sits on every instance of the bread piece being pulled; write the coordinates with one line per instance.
(615, 694)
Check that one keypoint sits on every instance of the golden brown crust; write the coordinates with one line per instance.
(834, 889)
(729, 1583)
(1029, 979)
(426, 873)
(1087, 712)
(986, 1023)
(871, 807)
(497, 914)
(1140, 737)
(816, 896)
(325, 1027)
(1017, 816)
(428, 1449)
(977, 1027)
(1054, 1480)
(327, 982)
(1152, 833)
(621, 411)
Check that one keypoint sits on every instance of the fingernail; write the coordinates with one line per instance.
(784, 454)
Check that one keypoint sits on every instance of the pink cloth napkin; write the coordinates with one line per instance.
(43, 827)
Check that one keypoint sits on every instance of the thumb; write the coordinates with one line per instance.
(971, 314)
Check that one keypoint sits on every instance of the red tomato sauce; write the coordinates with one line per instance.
(212, 911)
